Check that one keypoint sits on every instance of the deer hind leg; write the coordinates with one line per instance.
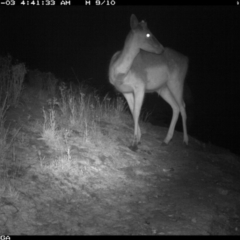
(168, 97)
(176, 88)
(184, 122)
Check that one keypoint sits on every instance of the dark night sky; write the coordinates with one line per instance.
(57, 39)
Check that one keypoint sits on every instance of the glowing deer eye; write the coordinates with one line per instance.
(148, 35)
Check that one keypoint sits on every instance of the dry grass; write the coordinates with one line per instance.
(69, 110)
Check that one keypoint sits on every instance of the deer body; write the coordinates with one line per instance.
(143, 66)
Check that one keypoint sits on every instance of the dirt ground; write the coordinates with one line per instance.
(111, 190)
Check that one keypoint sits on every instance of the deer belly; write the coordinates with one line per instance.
(156, 78)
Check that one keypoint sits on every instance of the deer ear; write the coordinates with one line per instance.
(133, 21)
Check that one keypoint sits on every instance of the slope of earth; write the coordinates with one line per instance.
(105, 188)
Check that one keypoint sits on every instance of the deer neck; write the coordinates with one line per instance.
(125, 59)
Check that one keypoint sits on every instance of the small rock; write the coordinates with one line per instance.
(194, 220)
(168, 169)
(222, 191)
